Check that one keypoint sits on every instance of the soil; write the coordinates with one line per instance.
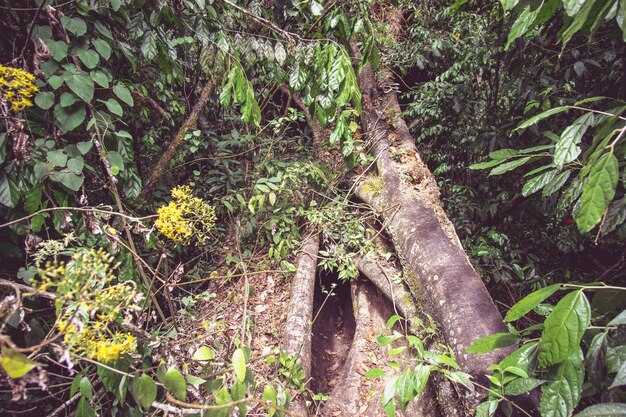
(333, 331)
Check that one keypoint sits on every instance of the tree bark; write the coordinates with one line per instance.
(297, 337)
(162, 165)
(436, 268)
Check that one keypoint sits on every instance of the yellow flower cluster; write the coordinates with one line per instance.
(89, 302)
(17, 87)
(186, 217)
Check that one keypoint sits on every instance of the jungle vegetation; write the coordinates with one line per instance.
(313, 207)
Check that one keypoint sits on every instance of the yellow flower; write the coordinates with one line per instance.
(186, 217)
(17, 87)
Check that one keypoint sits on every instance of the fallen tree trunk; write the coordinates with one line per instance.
(436, 268)
(297, 336)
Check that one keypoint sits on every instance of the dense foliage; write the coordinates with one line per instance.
(93, 93)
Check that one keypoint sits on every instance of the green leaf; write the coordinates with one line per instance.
(493, 341)
(175, 383)
(374, 373)
(566, 149)
(67, 99)
(148, 46)
(144, 391)
(100, 78)
(123, 93)
(562, 393)
(487, 408)
(620, 319)
(55, 81)
(521, 25)
(486, 164)
(69, 118)
(537, 183)
(604, 410)
(15, 364)
(84, 147)
(509, 166)
(540, 116)
(116, 160)
(528, 303)
(57, 157)
(316, 8)
(580, 19)
(74, 25)
(84, 409)
(564, 328)
(520, 386)
(45, 100)
(103, 48)
(239, 364)
(32, 201)
(76, 164)
(9, 193)
(89, 57)
(503, 153)
(620, 378)
(556, 184)
(58, 49)
(80, 83)
(86, 389)
(114, 107)
(598, 191)
(203, 353)
(68, 179)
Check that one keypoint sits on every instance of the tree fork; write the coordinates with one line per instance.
(162, 166)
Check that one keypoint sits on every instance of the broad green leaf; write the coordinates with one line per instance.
(15, 364)
(123, 93)
(509, 166)
(84, 409)
(520, 386)
(114, 107)
(203, 353)
(74, 25)
(487, 408)
(45, 100)
(537, 183)
(556, 183)
(148, 46)
(69, 118)
(486, 164)
(239, 364)
(144, 391)
(175, 383)
(580, 19)
(566, 149)
(68, 178)
(374, 373)
(55, 81)
(503, 153)
(594, 359)
(493, 341)
(103, 48)
(76, 164)
(57, 157)
(280, 54)
(528, 303)
(598, 191)
(316, 8)
(84, 147)
(620, 377)
(80, 83)
(89, 57)
(562, 393)
(390, 390)
(32, 200)
(604, 410)
(564, 328)
(58, 49)
(620, 319)
(100, 78)
(541, 116)
(269, 397)
(573, 6)
(67, 99)
(523, 22)
(85, 388)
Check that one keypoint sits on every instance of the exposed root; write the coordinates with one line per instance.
(299, 314)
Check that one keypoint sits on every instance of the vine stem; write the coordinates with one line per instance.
(87, 209)
(502, 397)
(594, 287)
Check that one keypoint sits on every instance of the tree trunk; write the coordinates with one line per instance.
(436, 268)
